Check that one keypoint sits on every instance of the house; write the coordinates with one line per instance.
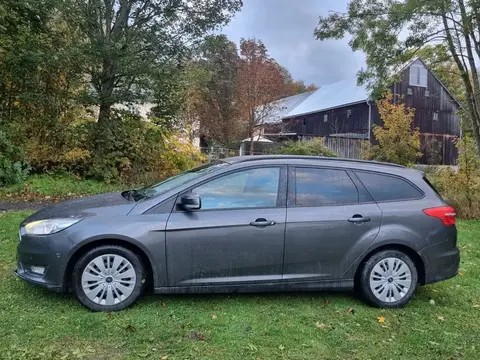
(344, 112)
(271, 124)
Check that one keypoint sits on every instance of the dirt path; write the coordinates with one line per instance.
(23, 205)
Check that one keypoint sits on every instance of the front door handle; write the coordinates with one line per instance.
(263, 222)
(358, 219)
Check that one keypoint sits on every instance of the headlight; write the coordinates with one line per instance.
(50, 226)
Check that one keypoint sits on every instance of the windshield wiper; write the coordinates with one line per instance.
(134, 195)
(138, 195)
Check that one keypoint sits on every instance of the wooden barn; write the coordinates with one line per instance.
(343, 114)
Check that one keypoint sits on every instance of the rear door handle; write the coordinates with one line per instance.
(359, 219)
(263, 222)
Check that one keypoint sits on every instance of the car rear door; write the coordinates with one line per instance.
(331, 220)
(238, 234)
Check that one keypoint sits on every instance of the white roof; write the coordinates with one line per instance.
(282, 107)
(339, 94)
(257, 139)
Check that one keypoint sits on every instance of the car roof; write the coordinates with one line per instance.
(324, 161)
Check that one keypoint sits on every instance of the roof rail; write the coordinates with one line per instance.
(239, 159)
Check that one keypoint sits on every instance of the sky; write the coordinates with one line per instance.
(286, 28)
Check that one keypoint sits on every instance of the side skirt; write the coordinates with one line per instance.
(338, 285)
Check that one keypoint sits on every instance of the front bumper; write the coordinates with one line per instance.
(49, 252)
(441, 261)
(20, 273)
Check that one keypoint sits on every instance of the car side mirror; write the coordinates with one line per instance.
(191, 202)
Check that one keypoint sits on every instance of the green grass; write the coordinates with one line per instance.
(442, 322)
(57, 186)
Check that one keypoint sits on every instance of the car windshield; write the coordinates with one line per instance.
(177, 180)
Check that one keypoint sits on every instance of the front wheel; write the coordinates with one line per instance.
(108, 278)
(388, 279)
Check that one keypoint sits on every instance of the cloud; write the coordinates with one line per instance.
(286, 27)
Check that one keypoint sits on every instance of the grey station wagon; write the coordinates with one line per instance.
(261, 223)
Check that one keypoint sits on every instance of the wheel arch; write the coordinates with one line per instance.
(416, 258)
(110, 240)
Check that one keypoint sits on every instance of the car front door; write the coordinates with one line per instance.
(331, 220)
(238, 234)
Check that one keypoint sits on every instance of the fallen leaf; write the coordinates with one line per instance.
(326, 302)
(433, 343)
(441, 318)
(164, 305)
(381, 319)
(461, 273)
(351, 310)
(320, 325)
(432, 302)
(214, 316)
(165, 357)
(476, 306)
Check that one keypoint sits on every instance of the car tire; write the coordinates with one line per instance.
(108, 278)
(388, 279)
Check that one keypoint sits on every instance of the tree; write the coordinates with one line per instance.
(391, 32)
(38, 82)
(260, 83)
(217, 105)
(294, 87)
(397, 142)
(127, 42)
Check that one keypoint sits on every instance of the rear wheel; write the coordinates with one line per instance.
(388, 279)
(108, 278)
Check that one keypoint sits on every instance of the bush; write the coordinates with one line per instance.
(397, 142)
(69, 148)
(314, 148)
(461, 188)
(13, 168)
(140, 152)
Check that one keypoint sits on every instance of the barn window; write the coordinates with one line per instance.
(435, 116)
(349, 113)
(418, 75)
(325, 118)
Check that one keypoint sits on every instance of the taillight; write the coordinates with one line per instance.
(444, 213)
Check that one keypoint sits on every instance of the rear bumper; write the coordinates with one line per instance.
(441, 262)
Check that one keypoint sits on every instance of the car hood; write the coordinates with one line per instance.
(111, 204)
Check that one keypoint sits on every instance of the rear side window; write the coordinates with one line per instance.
(319, 187)
(388, 188)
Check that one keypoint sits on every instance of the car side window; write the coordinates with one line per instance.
(388, 188)
(320, 187)
(250, 188)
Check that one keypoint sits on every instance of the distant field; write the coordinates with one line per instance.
(442, 322)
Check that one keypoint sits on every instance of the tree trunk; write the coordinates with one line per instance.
(252, 144)
(103, 126)
(103, 129)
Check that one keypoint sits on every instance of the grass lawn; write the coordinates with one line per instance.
(442, 322)
(38, 187)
